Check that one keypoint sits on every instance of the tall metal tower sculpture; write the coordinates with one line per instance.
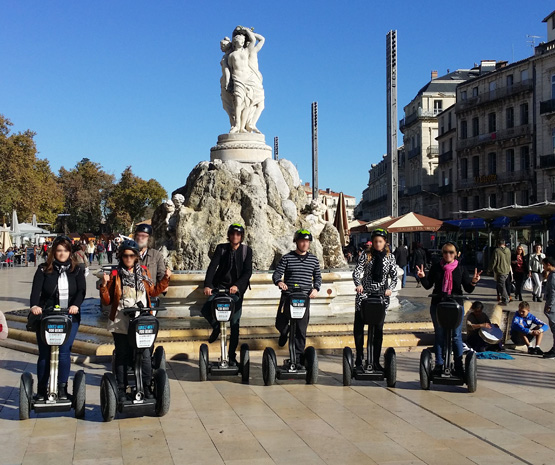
(393, 167)
(315, 150)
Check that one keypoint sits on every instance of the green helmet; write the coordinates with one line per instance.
(236, 227)
(302, 234)
(379, 232)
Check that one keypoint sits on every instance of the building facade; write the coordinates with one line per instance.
(329, 198)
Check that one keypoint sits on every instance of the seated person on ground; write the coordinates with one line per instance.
(475, 321)
(525, 327)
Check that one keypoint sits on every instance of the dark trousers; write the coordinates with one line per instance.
(282, 323)
(110, 257)
(358, 331)
(124, 361)
(233, 323)
(519, 280)
(64, 366)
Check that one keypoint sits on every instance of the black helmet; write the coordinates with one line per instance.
(128, 244)
(236, 227)
(302, 234)
(144, 228)
(379, 232)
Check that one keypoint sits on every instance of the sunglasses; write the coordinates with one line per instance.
(450, 252)
(127, 255)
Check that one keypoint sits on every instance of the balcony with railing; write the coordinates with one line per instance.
(491, 96)
(419, 113)
(445, 157)
(507, 177)
(547, 161)
(414, 152)
(547, 107)
(432, 151)
(498, 136)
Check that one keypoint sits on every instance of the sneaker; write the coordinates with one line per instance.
(539, 299)
(378, 367)
(122, 395)
(299, 367)
(283, 337)
(232, 360)
(214, 335)
(358, 369)
(549, 353)
(539, 351)
(438, 370)
(531, 351)
(148, 393)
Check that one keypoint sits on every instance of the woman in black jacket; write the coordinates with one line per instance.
(449, 278)
(61, 282)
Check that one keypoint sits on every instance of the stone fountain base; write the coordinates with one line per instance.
(241, 147)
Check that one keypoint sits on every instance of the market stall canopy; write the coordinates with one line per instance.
(367, 227)
(340, 221)
(513, 211)
(413, 222)
(5, 239)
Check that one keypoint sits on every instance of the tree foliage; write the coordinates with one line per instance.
(27, 182)
(131, 199)
(86, 188)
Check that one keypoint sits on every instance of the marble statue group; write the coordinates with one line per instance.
(241, 82)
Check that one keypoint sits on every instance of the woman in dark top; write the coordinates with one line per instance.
(61, 282)
(518, 263)
(449, 278)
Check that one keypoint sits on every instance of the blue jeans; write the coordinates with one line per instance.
(43, 363)
(405, 273)
(439, 344)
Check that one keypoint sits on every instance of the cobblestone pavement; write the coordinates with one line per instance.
(510, 419)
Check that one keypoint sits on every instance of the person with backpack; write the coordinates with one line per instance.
(297, 269)
(149, 256)
(230, 268)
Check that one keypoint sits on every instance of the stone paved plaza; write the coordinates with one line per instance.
(509, 420)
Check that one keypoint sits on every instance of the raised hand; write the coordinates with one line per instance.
(476, 276)
(420, 271)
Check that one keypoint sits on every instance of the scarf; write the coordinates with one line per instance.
(377, 266)
(448, 275)
(134, 278)
(63, 285)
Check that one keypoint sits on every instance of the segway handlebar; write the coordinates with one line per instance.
(141, 308)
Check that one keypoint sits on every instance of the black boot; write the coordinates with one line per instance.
(122, 394)
(62, 391)
(214, 335)
(41, 394)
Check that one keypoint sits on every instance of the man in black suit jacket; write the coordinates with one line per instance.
(230, 268)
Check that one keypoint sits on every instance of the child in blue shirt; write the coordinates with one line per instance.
(525, 327)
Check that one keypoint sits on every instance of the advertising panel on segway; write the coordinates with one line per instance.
(449, 315)
(297, 303)
(55, 327)
(142, 333)
(373, 309)
(223, 308)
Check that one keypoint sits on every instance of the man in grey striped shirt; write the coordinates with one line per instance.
(297, 269)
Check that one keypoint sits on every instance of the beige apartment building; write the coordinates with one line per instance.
(420, 132)
(495, 137)
(447, 163)
(329, 198)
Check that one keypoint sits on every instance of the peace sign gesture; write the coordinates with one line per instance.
(420, 271)
(476, 276)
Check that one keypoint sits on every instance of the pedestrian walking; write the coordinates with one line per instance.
(90, 251)
(402, 259)
(501, 266)
(549, 307)
(518, 263)
(535, 269)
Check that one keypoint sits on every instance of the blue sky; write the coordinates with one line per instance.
(137, 82)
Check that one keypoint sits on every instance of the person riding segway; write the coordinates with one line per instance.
(230, 268)
(299, 277)
(449, 278)
(128, 290)
(375, 278)
(59, 287)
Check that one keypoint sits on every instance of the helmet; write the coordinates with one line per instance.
(302, 234)
(236, 227)
(379, 232)
(128, 244)
(144, 228)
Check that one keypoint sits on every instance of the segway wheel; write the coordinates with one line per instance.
(245, 363)
(347, 366)
(203, 362)
(425, 363)
(25, 395)
(79, 394)
(390, 359)
(108, 400)
(311, 360)
(159, 358)
(114, 362)
(161, 392)
(471, 370)
(269, 366)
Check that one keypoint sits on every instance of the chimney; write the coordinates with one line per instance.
(434, 75)
(328, 190)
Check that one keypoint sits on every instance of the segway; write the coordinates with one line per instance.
(55, 327)
(298, 303)
(449, 315)
(223, 308)
(373, 314)
(142, 333)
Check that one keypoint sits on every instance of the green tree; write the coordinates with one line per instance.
(86, 188)
(27, 182)
(131, 199)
